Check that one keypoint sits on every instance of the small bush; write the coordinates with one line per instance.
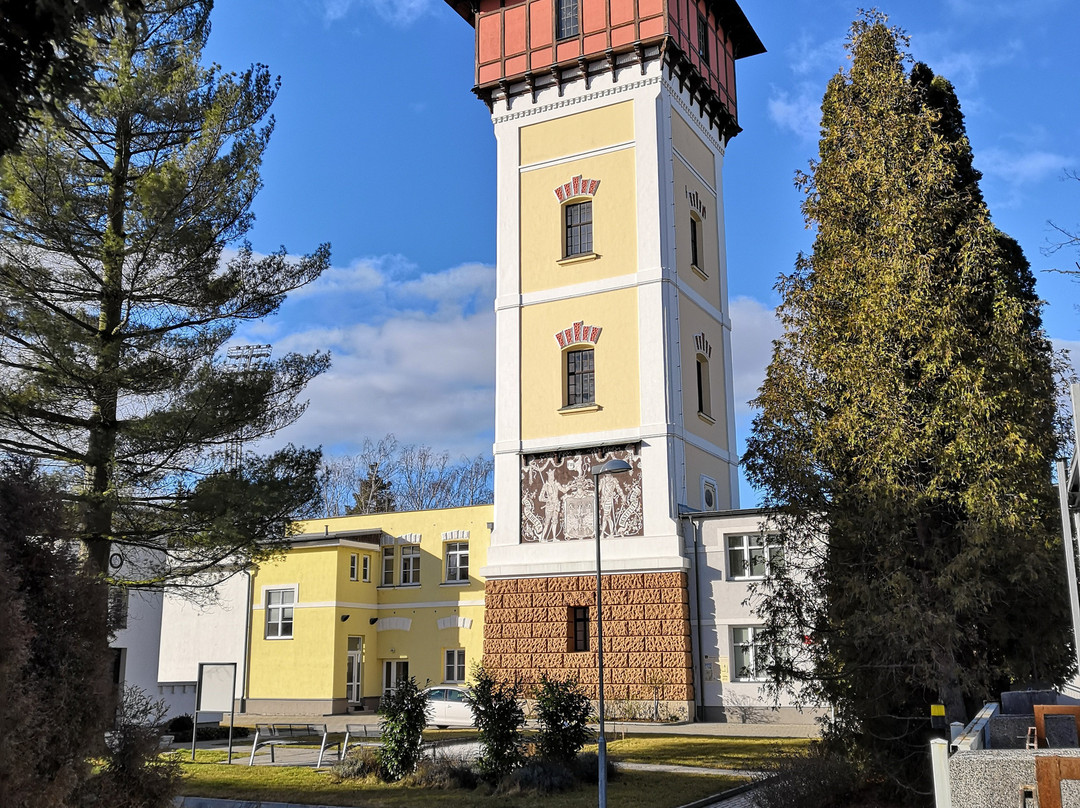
(180, 728)
(499, 717)
(360, 763)
(443, 773)
(404, 712)
(134, 774)
(563, 711)
(180, 724)
(586, 767)
(537, 776)
(817, 779)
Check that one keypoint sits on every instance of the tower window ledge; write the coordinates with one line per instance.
(575, 408)
(577, 259)
(701, 273)
(704, 416)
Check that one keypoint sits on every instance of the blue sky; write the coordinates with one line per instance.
(381, 149)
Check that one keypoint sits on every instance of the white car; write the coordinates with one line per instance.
(448, 707)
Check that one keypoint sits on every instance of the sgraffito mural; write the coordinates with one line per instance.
(558, 495)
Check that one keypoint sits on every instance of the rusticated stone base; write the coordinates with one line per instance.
(529, 631)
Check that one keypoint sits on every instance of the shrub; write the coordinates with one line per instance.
(586, 768)
(181, 724)
(404, 712)
(563, 711)
(211, 733)
(497, 710)
(134, 774)
(361, 762)
(54, 662)
(817, 779)
(537, 776)
(443, 773)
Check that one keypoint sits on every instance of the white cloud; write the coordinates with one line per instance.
(753, 328)
(362, 275)
(799, 113)
(1021, 167)
(808, 58)
(411, 355)
(396, 12)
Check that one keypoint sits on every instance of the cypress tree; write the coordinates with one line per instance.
(906, 430)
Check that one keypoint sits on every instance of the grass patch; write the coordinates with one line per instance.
(305, 785)
(704, 751)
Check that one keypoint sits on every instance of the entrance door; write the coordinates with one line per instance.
(395, 672)
(354, 691)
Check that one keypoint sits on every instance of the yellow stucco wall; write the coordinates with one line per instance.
(311, 665)
(689, 189)
(614, 222)
(694, 320)
(616, 365)
(700, 463)
(578, 133)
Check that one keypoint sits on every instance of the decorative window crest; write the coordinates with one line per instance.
(578, 332)
(409, 538)
(577, 187)
(701, 342)
(455, 535)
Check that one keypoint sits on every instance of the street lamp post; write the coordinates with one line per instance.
(610, 467)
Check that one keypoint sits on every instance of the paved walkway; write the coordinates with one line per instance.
(764, 729)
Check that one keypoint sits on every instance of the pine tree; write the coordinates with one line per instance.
(119, 297)
(906, 429)
(375, 494)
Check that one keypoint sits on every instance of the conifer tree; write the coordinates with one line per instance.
(118, 298)
(906, 429)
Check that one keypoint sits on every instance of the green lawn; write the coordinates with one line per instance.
(207, 777)
(697, 750)
(305, 785)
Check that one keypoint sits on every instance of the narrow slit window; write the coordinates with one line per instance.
(703, 38)
(579, 628)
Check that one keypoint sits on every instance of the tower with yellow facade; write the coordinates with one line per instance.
(613, 332)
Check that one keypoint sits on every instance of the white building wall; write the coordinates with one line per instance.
(726, 694)
(194, 632)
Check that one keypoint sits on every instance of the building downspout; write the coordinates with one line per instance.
(247, 639)
(699, 660)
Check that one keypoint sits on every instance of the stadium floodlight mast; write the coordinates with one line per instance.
(241, 358)
(613, 466)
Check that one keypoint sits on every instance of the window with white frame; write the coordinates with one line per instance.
(388, 566)
(455, 665)
(748, 654)
(365, 569)
(750, 555)
(410, 565)
(279, 613)
(457, 561)
(354, 566)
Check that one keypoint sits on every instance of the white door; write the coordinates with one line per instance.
(354, 691)
(395, 671)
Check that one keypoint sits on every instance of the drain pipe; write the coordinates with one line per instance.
(247, 638)
(699, 662)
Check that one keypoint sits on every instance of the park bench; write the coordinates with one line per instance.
(361, 735)
(272, 735)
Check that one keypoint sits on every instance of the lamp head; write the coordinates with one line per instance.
(613, 466)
